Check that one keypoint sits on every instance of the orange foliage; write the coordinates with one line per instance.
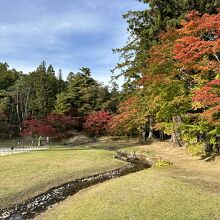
(161, 61)
(209, 97)
(198, 47)
(123, 122)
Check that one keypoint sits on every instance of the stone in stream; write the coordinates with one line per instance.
(137, 158)
(39, 204)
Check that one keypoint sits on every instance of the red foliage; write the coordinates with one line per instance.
(209, 97)
(49, 125)
(34, 127)
(125, 120)
(212, 115)
(199, 45)
(198, 49)
(160, 64)
(97, 122)
(58, 121)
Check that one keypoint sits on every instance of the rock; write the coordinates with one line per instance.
(32, 207)
(136, 158)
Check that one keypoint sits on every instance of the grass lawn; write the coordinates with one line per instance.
(26, 175)
(7, 143)
(149, 194)
(123, 145)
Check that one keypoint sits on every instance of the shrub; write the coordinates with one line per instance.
(50, 125)
(162, 163)
(196, 149)
(97, 122)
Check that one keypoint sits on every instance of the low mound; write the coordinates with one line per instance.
(78, 140)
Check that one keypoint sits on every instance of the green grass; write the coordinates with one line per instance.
(26, 175)
(146, 195)
(7, 143)
(116, 145)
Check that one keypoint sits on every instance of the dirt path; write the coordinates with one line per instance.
(186, 167)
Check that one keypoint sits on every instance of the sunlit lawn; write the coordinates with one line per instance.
(26, 175)
(147, 195)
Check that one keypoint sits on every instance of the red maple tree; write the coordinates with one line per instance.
(49, 125)
(124, 121)
(34, 127)
(60, 122)
(198, 51)
(97, 122)
(208, 97)
(198, 47)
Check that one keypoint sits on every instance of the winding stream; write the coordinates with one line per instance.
(41, 203)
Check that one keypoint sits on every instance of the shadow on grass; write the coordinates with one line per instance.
(109, 146)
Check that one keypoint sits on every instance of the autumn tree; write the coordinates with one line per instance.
(183, 60)
(49, 125)
(208, 98)
(97, 122)
(35, 128)
(198, 47)
(144, 28)
(126, 122)
(198, 51)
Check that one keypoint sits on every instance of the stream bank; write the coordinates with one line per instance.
(41, 203)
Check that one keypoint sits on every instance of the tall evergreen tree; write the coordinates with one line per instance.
(61, 83)
(45, 88)
(144, 28)
(83, 94)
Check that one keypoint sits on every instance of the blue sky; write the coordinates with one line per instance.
(66, 33)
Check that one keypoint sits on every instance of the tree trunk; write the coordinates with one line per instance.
(174, 137)
(144, 135)
(17, 109)
(151, 128)
(161, 135)
(26, 105)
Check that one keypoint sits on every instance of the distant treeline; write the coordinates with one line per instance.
(42, 92)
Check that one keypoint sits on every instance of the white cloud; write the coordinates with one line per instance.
(68, 34)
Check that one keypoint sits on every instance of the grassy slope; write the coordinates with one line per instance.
(149, 194)
(26, 175)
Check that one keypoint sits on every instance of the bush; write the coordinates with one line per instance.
(196, 149)
(49, 125)
(97, 122)
(162, 163)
